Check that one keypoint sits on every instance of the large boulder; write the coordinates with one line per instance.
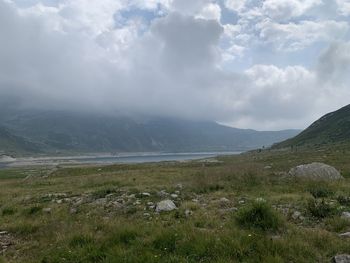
(165, 206)
(344, 258)
(315, 171)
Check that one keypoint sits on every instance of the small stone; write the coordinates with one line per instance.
(195, 200)
(138, 202)
(344, 258)
(3, 233)
(345, 235)
(177, 192)
(267, 167)
(73, 210)
(241, 202)
(174, 196)
(146, 214)
(47, 210)
(345, 215)
(165, 206)
(146, 194)
(60, 201)
(296, 215)
(188, 213)
(179, 186)
(224, 200)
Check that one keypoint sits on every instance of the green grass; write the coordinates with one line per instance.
(129, 231)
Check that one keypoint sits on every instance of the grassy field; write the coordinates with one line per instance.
(242, 209)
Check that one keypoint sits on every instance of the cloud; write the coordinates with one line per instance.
(287, 9)
(295, 36)
(89, 56)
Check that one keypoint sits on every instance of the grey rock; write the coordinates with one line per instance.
(345, 215)
(345, 235)
(3, 233)
(47, 210)
(315, 171)
(165, 206)
(146, 194)
(188, 213)
(343, 258)
(174, 196)
(224, 200)
(296, 215)
(73, 210)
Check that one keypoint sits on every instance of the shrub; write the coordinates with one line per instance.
(7, 211)
(259, 215)
(343, 200)
(318, 191)
(320, 208)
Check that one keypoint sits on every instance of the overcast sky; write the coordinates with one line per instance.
(263, 64)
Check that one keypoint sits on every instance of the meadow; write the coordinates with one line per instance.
(243, 208)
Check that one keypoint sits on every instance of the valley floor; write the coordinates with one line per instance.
(242, 209)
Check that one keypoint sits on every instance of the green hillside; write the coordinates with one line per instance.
(332, 128)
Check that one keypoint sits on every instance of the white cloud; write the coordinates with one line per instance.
(296, 36)
(236, 5)
(286, 9)
(343, 7)
(210, 11)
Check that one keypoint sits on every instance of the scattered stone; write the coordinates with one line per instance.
(296, 215)
(345, 215)
(345, 235)
(267, 167)
(137, 202)
(174, 196)
(100, 201)
(165, 206)
(179, 186)
(3, 233)
(241, 202)
(73, 210)
(146, 194)
(163, 193)
(47, 210)
(60, 201)
(315, 171)
(146, 214)
(195, 200)
(344, 258)
(188, 213)
(224, 200)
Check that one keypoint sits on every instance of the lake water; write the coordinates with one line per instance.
(125, 158)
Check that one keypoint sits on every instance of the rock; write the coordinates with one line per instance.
(174, 196)
(3, 233)
(100, 201)
(179, 186)
(315, 171)
(47, 210)
(224, 200)
(296, 215)
(195, 200)
(73, 210)
(146, 194)
(345, 235)
(344, 258)
(163, 193)
(241, 202)
(146, 214)
(165, 206)
(188, 213)
(345, 215)
(267, 167)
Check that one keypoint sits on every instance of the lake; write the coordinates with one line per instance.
(112, 159)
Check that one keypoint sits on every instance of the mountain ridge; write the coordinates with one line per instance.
(331, 128)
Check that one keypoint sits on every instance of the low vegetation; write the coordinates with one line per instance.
(242, 209)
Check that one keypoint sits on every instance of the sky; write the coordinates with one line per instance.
(262, 64)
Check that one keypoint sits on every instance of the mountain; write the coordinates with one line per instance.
(332, 128)
(55, 131)
(11, 144)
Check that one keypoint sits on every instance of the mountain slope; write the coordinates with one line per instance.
(68, 132)
(334, 127)
(10, 143)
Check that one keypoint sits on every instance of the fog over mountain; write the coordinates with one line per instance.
(246, 63)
